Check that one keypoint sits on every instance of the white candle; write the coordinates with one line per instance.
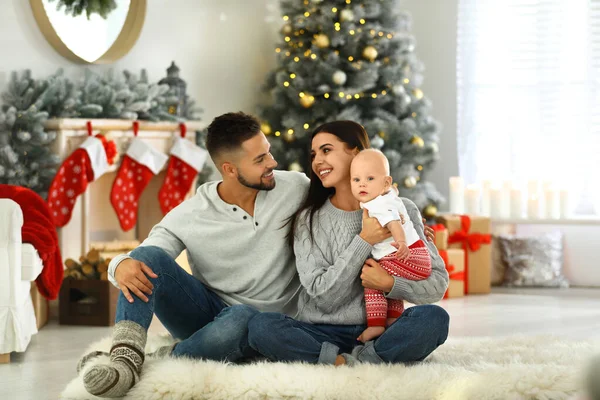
(533, 207)
(472, 200)
(486, 186)
(565, 210)
(516, 203)
(506, 188)
(496, 200)
(552, 206)
(533, 188)
(457, 195)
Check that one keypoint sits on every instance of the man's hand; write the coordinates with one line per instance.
(131, 277)
(373, 276)
(429, 232)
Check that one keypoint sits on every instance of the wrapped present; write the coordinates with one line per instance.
(454, 260)
(472, 234)
(441, 236)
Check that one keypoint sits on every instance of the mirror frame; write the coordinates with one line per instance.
(127, 37)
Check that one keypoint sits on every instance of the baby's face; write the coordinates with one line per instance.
(368, 178)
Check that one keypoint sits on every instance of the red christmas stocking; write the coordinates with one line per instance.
(187, 159)
(84, 165)
(139, 165)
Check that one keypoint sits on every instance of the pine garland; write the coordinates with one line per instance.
(77, 7)
(25, 155)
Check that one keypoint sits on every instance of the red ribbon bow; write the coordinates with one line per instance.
(455, 276)
(469, 241)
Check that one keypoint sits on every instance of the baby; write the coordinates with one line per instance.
(404, 254)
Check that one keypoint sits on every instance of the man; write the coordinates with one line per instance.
(234, 232)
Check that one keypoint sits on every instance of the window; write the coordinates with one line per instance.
(528, 84)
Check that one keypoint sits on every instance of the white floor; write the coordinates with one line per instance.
(49, 363)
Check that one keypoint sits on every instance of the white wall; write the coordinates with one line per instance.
(434, 27)
(223, 62)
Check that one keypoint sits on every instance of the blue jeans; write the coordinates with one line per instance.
(412, 337)
(207, 327)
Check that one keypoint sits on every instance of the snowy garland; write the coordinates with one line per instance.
(25, 155)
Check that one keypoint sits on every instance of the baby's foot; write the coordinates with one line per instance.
(390, 321)
(371, 333)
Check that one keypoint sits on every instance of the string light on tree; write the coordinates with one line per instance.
(418, 93)
(265, 128)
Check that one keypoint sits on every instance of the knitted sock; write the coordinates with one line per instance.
(126, 360)
(162, 352)
(88, 357)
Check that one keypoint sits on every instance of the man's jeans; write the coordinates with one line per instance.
(414, 335)
(208, 328)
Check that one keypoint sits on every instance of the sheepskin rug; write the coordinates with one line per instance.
(516, 367)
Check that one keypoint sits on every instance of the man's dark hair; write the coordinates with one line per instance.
(228, 131)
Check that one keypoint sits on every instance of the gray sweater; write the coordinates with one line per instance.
(244, 259)
(330, 266)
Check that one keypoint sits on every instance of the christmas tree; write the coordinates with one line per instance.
(25, 157)
(353, 60)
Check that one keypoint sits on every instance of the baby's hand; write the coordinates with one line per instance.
(403, 251)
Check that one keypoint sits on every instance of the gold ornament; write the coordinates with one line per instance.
(287, 29)
(172, 110)
(430, 211)
(418, 93)
(265, 128)
(321, 40)
(410, 182)
(307, 101)
(417, 141)
(295, 166)
(346, 15)
(370, 53)
(381, 135)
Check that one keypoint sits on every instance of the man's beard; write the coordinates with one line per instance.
(257, 186)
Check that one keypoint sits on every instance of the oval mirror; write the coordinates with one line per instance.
(95, 40)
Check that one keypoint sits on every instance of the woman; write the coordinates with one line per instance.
(332, 240)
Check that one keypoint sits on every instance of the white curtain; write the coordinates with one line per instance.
(528, 82)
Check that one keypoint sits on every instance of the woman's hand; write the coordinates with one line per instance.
(429, 232)
(373, 276)
(372, 232)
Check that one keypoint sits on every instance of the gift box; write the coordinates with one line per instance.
(455, 265)
(472, 234)
(440, 236)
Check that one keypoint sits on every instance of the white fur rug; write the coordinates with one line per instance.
(520, 367)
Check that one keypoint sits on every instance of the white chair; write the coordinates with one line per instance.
(20, 265)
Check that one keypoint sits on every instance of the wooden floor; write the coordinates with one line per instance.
(50, 361)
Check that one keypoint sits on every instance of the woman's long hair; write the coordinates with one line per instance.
(355, 137)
